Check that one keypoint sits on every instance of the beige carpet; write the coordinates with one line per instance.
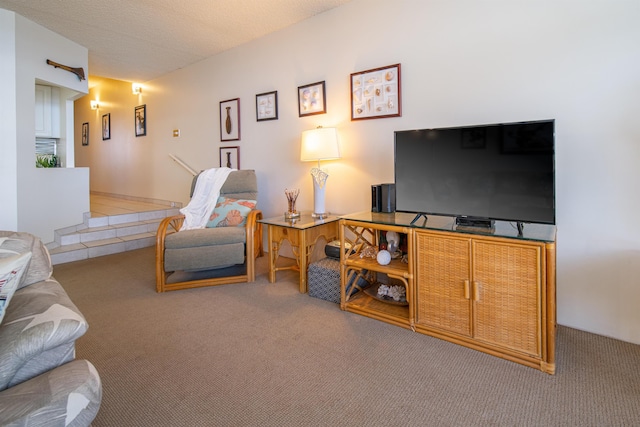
(263, 354)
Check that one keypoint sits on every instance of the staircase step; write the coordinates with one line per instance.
(107, 235)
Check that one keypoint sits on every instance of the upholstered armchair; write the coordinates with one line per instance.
(214, 255)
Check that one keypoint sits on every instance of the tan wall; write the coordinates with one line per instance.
(120, 165)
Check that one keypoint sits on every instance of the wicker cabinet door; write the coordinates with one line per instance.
(507, 295)
(443, 272)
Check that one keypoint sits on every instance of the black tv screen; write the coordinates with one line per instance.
(495, 172)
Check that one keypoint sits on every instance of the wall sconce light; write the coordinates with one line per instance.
(319, 144)
(136, 88)
(95, 105)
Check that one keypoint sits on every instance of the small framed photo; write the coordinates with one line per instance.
(230, 120)
(85, 133)
(106, 126)
(140, 115)
(230, 157)
(267, 106)
(312, 99)
(376, 93)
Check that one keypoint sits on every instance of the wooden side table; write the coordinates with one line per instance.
(302, 234)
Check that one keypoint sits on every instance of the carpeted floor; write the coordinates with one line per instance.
(263, 354)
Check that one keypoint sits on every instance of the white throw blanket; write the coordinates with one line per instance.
(204, 199)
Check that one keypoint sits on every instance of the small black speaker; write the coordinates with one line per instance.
(376, 198)
(383, 198)
(388, 198)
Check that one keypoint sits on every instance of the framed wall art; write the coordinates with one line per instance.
(376, 93)
(230, 120)
(106, 126)
(230, 157)
(312, 99)
(141, 120)
(267, 106)
(85, 133)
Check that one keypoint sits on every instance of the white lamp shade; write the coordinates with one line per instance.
(319, 144)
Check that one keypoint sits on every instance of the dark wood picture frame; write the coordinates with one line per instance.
(140, 118)
(85, 133)
(267, 106)
(106, 126)
(230, 120)
(312, 99)
(376, 93)
(230, 157)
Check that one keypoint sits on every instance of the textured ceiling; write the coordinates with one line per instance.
(144, 39)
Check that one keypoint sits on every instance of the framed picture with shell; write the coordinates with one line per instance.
(376, 93)
(267, 106)
(230, 120)
(312, 99)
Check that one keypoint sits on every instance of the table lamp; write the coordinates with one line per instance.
(319, 144)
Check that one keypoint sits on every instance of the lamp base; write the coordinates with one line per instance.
(320, 215)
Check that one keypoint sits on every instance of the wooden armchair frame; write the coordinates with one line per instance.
(253, 250)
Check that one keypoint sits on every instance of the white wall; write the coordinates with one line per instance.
(37, 200)
(463, 62)
(8, 170)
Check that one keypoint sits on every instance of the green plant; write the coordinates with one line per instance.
(46, 161)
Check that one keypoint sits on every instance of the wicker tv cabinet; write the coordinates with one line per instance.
(492, 290)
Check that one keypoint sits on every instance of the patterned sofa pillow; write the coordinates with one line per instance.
(20, 242)
(11, 270)
(230, 212)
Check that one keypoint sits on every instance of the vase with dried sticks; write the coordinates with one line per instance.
(292, 196)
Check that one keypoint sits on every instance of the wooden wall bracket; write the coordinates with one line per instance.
(77, 71)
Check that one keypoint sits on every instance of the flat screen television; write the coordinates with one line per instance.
(485, 173)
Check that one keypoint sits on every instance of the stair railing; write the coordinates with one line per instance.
(183, 164)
